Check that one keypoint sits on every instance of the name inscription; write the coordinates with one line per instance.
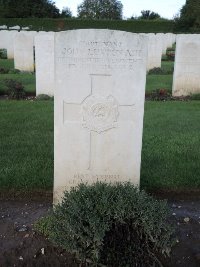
(99, 55)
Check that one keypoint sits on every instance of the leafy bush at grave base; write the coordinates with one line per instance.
(15, 90)
(14, 71)
(164, 58)
(3, 53)
(160, 71)
(110, 225)
(44, 97)
(170, 54)
(9, 71)
(159, 95)
(3, 70)
(195, 97)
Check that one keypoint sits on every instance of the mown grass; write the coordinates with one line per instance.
(159, 82)
(171, 142)
(27, 80)
(26, 134)
(167, 65)
(170, 156)
(7, 63)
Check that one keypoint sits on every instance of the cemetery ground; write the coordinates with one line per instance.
(170, 170)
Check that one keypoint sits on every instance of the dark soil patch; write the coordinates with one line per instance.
(164, 95)
(20, 245)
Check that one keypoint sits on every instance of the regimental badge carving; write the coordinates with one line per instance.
(100, 113)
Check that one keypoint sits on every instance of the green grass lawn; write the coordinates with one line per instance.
(167, 65)
(7, 63)
(159, 82)
(26, 134)
(27, 80)
(170, 156)
(164, 81)
(171, 143)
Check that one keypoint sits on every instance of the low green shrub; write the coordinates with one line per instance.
(14, 71)
(15, 90)
(159, 95)
(3, 53)
(44, 224)
(160, 71)
(44, 97)
(3, 70)
(195, 97)
(164, 58)
(170, 53)
(110, 225)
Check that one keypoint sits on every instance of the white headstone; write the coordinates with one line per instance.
(44, 62)
(17, 27)
(25, 28)
(24, 51)
(186, 79)
(169, 40)
(154, 51)
(100, 78)
(7, 42)
(3, 27)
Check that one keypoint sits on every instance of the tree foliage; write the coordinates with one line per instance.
(28, 8)
(66, 12)
(190, 15)
(148, 14)
(100, 9)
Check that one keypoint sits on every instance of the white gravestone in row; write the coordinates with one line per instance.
(154, 51)
(186, 78)
(3, 27)
(100, 78)
(44, 63)
(17, 27)
(7, 42)
(169, 40)
(24, 51)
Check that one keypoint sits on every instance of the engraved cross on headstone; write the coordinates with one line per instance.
(100, 111)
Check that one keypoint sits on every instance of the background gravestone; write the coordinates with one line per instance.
(100, 78)
(186, 78)
(44, 62)
(7, 42)
(24, 51)
(154, 51)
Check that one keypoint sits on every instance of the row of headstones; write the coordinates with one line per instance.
(186, 70)
(17, 27)
(20, 45)
(30, 49)
(100, 78)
